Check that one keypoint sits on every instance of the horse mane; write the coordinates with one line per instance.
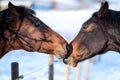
(20, 9)
(24, 10)
(112, 18)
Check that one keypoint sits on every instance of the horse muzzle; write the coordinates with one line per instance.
(62, 53)
(70, 61)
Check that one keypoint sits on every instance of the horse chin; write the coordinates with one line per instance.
(70, 61)
(60, 55)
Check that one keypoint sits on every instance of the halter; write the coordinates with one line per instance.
(20, 36)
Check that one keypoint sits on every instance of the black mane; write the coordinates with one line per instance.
(112, 16)
(23, 11)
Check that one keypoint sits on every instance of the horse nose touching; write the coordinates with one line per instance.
(68, 48)
(69, 60)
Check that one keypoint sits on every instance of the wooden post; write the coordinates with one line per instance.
(51, 67)
(78, 71)
(87, 68)
(53, 4)
(14, 71)
(94, 60)
(67, 72)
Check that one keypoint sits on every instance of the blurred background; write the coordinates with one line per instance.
(66, 18)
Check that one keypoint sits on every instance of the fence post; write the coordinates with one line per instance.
(67, 72)
(51, 67)
(78, 72)
(87, 68)
(14, 71)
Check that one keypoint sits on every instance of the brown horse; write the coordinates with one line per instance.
(98, 35)
(20, 29)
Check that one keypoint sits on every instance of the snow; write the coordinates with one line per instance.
(34, 65)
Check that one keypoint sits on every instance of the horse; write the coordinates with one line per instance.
(99, 34)
(20, 29)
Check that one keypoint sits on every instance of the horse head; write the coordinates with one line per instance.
(98, 34)
(20, 29)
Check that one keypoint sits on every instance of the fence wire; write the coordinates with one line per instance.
(33, 72)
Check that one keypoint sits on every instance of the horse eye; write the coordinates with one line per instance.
(85, 27)
(89, 28)
(37, 24)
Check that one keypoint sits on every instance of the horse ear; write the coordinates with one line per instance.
(104, 9)
(12, 9)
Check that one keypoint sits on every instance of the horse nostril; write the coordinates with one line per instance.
(67, 47)
(65, 61)
(68, 60)
(69, 50)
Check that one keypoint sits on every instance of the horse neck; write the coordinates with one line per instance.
(114, 38)
(6, 46)
(2, 44)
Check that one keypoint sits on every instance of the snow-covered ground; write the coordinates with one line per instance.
(34, 66)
